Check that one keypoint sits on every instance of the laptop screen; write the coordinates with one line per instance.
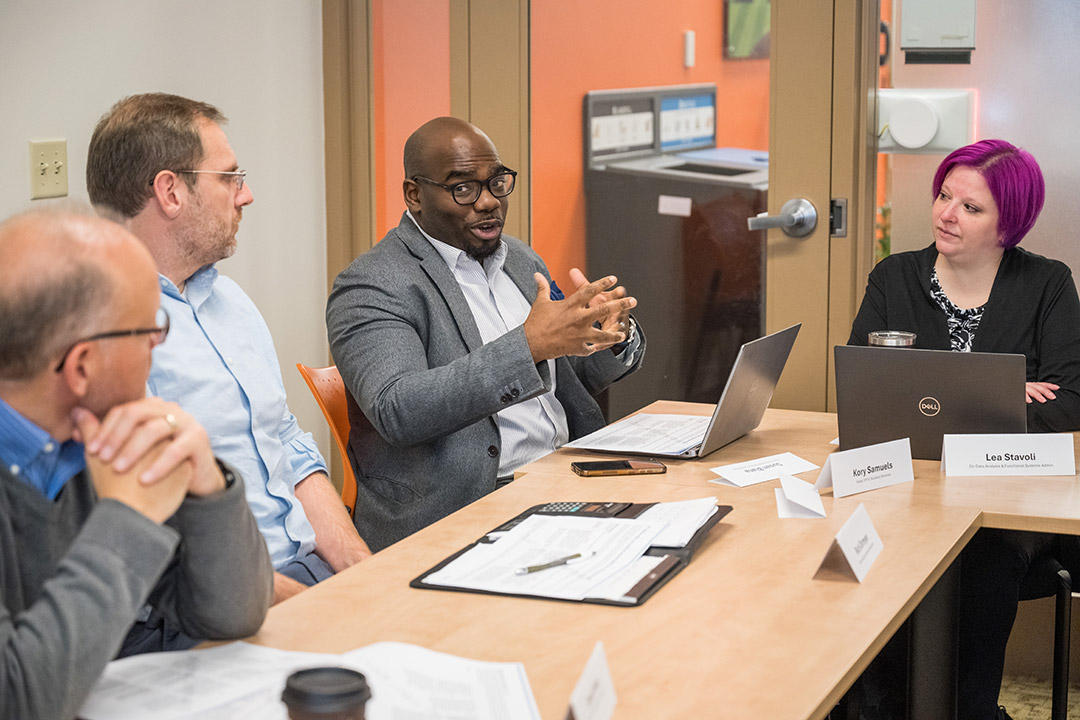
(886, 394)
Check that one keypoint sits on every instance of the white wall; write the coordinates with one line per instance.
(1024, 72)
(64, 63)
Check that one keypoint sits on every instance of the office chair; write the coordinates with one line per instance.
(1047, 578)
(329, 391)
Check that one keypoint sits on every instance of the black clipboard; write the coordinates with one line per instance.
(676, 558)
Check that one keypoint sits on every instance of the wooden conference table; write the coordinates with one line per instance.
(753, 628)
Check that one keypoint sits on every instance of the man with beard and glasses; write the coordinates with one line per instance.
(162, 165)
(464, 359)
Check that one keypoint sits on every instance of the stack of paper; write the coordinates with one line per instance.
(680, 520)
(646, 433)
(606, 547)
(241, 681)
(573, 557)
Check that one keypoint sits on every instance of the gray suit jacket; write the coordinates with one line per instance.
(424, 440)
(75, 573)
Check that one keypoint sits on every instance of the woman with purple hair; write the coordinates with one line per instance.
(973, 289)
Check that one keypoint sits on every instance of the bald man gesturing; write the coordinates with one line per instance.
(465, 361)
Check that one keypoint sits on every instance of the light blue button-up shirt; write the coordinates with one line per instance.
(35, 457)
(219, 364)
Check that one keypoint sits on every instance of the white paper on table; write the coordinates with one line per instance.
(616, 588)
(177, 685)
(680, 520)
(408, 681)
(763, 469)
(646, 433)
(241, 681)
(796, 498)
(609, 546)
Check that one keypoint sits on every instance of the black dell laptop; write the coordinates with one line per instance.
(887, 393)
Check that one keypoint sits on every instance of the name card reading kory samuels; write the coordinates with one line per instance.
(867, 468)
(1018, 454)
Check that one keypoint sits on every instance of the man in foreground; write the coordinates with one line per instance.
(119, 531)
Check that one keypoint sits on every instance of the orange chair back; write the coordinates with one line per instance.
(329, 391)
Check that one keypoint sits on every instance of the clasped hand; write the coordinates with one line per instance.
(148, 454)
(594, 318)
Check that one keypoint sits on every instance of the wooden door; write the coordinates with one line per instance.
(823, 81)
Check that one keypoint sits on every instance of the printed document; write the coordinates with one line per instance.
(680, 520)
(606, 547)
(241, 681)
(646, 433)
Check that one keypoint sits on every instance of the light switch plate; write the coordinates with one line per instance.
(48, 169)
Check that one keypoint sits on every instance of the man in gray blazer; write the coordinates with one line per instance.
(464, 359)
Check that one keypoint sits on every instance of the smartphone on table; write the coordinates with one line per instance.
(618, 467)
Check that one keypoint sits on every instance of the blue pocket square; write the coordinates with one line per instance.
(556, 293)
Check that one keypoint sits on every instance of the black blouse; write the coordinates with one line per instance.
(1033, 309)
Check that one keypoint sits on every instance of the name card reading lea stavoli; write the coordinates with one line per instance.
(1015, 454)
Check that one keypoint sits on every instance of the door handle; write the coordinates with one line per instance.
(797, 218)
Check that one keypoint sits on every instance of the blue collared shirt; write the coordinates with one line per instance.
(35, 457)
(219, 364)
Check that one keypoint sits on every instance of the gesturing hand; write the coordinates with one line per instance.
(619, 322)
(555, 328)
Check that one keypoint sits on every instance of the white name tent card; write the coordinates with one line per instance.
(762, 469)
(1010, 454)
(867, 468)
(593, 697)
(797, 498)
(858, 543)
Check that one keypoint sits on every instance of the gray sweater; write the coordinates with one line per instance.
(75, 573)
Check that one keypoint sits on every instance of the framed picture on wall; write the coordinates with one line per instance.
(746, 29)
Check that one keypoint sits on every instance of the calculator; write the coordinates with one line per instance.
(589, 509)
(583, 509)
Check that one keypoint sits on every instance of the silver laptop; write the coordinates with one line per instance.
(742, 404)
(886, 394)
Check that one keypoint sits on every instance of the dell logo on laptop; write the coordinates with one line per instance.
(929, 406)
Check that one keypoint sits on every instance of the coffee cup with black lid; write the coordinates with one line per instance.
(326, 693)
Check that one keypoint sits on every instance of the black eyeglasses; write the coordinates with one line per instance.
(238, 175)
(467, 192)
(157, 335)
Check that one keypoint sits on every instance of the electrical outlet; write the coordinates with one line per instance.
(48, 169)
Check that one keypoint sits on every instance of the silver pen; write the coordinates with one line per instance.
(528, 569)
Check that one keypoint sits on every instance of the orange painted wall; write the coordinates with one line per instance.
(410, 85)
(583, 45)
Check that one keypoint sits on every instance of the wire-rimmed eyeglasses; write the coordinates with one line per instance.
(467, 192)
(157, 335)
(237, 175)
